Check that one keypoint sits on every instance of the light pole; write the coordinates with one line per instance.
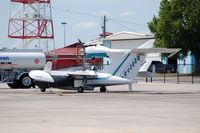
(64, 24)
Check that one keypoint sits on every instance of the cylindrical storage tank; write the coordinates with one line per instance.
(22, 60)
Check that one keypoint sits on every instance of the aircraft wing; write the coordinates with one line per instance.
(86, 73)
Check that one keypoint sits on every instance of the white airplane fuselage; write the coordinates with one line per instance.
(58, 80)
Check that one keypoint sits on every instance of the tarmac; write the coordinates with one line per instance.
(150, 108)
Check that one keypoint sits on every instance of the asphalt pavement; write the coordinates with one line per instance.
(150, 108)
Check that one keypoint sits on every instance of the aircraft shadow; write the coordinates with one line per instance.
(67, 92)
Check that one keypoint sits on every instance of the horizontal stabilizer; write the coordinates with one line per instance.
(155, 50)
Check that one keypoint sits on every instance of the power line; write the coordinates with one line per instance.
(77, 13)
(128, 22)
(98, 16)
(124, 26)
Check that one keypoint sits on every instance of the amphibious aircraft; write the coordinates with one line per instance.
(121, 67)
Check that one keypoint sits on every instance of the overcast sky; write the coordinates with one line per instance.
(88, 27)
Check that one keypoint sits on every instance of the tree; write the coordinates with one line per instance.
(178, 26)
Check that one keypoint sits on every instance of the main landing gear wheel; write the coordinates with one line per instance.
(102, 89)
(42, 89)
(80, 89)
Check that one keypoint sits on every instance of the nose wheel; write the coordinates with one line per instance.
(80, 89)
(102, 89)
(42, 89)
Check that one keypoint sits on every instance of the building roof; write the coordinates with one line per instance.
(124, 35)
(71, 49)
(98, 41)
(74, 45)
(66, 51)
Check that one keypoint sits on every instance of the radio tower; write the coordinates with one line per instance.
(31, 20)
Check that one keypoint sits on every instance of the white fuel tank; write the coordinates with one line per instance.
(22, 60)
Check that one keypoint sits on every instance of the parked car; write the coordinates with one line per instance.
(161, 68)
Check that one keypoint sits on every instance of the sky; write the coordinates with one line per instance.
(84, 18)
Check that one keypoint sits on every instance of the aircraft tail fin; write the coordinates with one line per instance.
(127, 64)
(124, 65)
(48, 67)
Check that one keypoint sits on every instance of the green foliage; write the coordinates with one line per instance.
(178, 26)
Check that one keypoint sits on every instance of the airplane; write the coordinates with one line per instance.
(122, 67)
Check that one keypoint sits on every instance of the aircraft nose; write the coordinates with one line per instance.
(40, 76)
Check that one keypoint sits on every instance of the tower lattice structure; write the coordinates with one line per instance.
(30, 20)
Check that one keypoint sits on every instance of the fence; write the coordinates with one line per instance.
(181, 73)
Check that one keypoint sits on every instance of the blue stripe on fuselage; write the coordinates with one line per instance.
(121, 64)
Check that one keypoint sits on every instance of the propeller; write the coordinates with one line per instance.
(84, 54)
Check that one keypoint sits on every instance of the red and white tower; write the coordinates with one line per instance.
(30, 20)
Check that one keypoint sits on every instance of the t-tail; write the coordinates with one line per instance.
(124, 64)
(118, 62)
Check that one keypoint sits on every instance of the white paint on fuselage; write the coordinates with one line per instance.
(112, 80)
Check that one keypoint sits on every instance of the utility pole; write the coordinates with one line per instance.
(64, 24)
(104, 27)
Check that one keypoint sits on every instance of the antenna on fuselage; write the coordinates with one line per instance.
(84, 54)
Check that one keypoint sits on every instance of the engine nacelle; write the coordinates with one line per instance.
(59, 82)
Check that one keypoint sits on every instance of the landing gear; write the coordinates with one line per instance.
(80, 89)
(42, 89)
(102, 89)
